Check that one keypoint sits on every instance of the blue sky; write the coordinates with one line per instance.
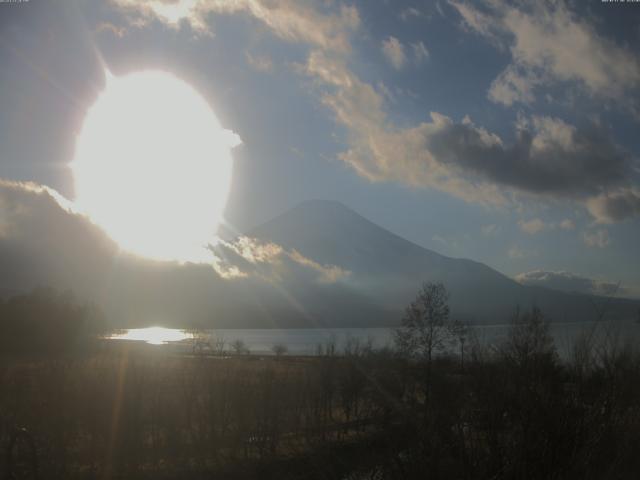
(505, 133)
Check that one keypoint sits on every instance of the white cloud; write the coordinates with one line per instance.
(393, 51)
(475, 20)
(103, 27)
(567, 224)
(537, 225)
(532, 226)
(327, 273)
(262, 63)
(549, 44)
(490, 230)
(516, 253)
(250, 257)
(291, 20)
(420, 52)
(599, 238)
(568, 282)
(409, 13)
(514, 85)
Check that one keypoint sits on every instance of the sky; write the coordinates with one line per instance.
(497, 131)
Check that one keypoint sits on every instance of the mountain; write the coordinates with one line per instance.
(331, 267)
(388, 269)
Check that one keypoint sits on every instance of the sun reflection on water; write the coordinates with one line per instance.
(153, 335)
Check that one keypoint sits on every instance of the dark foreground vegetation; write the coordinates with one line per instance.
(510, 411)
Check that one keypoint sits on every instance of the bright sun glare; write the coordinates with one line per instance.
(153, 335)
(153, 166)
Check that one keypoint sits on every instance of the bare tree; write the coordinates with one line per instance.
(279, 349)
(460, 332)
(239, 347)
(426, 326)
(218, 346)
(529, 340)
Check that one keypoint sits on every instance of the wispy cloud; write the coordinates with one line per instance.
(567, 224)
(537, 225)
(599, 238)
(568, 282)
(327, 273)
(532, 226)
(420, 52)
(393, 50)
(408, 13)
(262, 63)
(247, 257)
(289, 19)
(549, 44)
(490, 230)
(517, 253)
(107, 27)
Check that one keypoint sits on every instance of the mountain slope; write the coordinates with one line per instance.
(390, 269)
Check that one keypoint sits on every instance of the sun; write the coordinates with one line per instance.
(153, 166)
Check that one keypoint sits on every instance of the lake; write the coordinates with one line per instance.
(305, 341)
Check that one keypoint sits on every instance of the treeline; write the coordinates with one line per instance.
(47, 321)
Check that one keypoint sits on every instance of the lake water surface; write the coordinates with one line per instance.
(305, 341)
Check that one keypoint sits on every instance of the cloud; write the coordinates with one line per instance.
(537, 225)
(478, 21)
(393, 51)
(420, 52)
(41, 237)
(516, 252)
(247, 256)
(291, 20)
(532, 226)
(550, 45)
(43, 242)
(408, 13)
(567, 224)
(514, 85)
(490, 230)
(599, 238)
(40, 223)
(327, 273)
(262, 63)
(112, 29)
(568, 282)
(615, 206)
(548, 157)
